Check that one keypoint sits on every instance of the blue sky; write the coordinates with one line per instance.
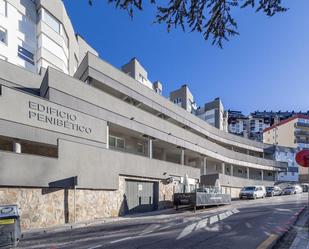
(265, 68)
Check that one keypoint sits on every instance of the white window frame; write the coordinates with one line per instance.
(45, 13)
(116, 142)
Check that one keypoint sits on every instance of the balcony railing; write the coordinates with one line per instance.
(302, 124)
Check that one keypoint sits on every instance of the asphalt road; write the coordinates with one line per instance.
(245, 224)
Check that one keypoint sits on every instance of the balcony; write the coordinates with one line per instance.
(299, 132)
(302, 125)
(233, 181)
(95, 167)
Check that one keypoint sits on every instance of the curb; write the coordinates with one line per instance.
(287, 227)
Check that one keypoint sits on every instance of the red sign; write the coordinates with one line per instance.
(302, 158)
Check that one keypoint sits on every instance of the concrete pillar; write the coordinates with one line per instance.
(248, 152)
(182, 156)
(16, 147)
(262, 175)
(223, 168)
(232, 170)
(107, 137)
(149, 147)
(248, 173)
(205, 165)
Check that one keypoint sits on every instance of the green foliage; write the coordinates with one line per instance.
(211, 18)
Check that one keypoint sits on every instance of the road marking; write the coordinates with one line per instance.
(186, 231)
(95, 247)
(268, 241)
(119, 240)
(150, 229)
(213, 219)
(201, 224)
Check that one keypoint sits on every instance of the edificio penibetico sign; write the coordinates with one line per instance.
(53, 116)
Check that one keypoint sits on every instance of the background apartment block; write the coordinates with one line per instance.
(214, 114)
(292, 132)
(286, 154)
(253, 125)
(183, 98)
(135, 69)
(237, 123)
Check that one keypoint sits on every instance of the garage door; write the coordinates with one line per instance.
(141, 196)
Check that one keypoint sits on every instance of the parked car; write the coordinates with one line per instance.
(305, 187)
(252, 192)
(272, 191)
(292, 190)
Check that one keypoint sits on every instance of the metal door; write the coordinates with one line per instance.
(141, 196)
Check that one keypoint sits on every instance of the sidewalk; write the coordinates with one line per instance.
(69, 226)
(302, 233)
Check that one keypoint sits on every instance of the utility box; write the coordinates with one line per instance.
(9, 225)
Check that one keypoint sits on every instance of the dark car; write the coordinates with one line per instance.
(272, 191)
(305, 187)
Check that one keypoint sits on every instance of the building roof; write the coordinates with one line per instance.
(287, 121)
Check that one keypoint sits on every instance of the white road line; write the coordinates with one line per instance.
(150, 229)
(213, 219)
(186, 231)
(95, 247)
(119, 240)
(201, 224)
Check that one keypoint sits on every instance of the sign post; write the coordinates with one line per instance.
(302, 158)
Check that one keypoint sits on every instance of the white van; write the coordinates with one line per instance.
(252, 192)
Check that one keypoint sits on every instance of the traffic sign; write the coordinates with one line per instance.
(302, 158)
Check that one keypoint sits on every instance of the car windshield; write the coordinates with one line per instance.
(249, 188)
(290, 188)
(269, 188)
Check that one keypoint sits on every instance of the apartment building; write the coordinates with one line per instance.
(286, 154)
(97, 142)
(292, 132)
(183, 97)
(35, 34)
(237, 123)
(214, 114)
(135, 69)
(252, 125)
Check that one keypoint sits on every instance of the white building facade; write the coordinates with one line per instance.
(33, 38)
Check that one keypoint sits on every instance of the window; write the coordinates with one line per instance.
(25, 55)
(140, 148)
(51, 21)
(65, 36)
(3, 35)
(116, 142)
(3, 7)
